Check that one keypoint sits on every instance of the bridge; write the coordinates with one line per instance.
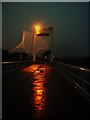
(45, 90)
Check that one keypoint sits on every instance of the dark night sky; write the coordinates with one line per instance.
(70, 22)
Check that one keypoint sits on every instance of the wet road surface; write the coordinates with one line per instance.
(41, 92)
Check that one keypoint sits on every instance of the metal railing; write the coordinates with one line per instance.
(79, 77)
(8, 67)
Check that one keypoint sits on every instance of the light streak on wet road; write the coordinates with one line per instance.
(39, 77)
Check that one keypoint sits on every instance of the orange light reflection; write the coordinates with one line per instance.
(39, 90)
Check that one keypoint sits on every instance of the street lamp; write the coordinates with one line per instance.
(45, 32)
(37, 29)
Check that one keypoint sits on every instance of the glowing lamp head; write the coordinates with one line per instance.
(37, 29)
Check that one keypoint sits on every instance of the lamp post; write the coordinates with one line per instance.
(35, 32)
(38, 32)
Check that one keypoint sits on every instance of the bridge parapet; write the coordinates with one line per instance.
(8, 67)
(79, 77)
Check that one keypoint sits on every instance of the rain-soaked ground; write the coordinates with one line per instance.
(41, 92)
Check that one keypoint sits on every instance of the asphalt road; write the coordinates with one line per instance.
(41, 92)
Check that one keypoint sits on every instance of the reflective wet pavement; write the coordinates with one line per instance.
(41, 92)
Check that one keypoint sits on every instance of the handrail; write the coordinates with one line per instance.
(76, 71)
(8, 67)
(68, 65)
(78, 76)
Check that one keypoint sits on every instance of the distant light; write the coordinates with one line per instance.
(82, 69)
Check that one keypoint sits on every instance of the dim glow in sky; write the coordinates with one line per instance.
(70, 29)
